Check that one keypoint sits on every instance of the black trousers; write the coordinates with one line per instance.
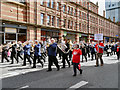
(118, 55)
(4, 56)
(19, 55)
(13, 56)
(85, 56)
(27, 57)
(39, 60)
(99, 55)
(65, 58)
(75, 66)
(70, 55)
(93, 55)
(52, 59)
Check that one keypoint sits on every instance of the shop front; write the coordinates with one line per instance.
(70, 35)
(11, 33)
(83, 37)
(49, 33)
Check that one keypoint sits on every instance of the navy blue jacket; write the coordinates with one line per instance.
(27, 49)
(52, 50)
(37, 49)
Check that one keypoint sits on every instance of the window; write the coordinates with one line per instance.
(68, 23)
(109, 5)
(71, 24)
(48, 20)
(52, 4)
(79, 14)
(58, 21)
(75, 11)
(48, 3)
(64, 23)
(42, 18)
(80, 26)
(41, 2)
(113, 5)
(71, 11)
(58, 5)
(53, 18)
(64, 8)
(68, 9)
(75, 27)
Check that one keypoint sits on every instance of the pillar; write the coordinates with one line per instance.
(38, 34)
(31, 33)
(77, 37)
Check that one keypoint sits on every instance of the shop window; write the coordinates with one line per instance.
(1, 38)
(21, 30)
(10, 36)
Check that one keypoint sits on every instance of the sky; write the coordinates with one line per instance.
(101, 4)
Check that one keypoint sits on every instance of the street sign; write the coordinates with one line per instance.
(98, 36)
(116, 35)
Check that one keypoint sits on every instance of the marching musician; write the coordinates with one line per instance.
(19, 50)
(27, 53)
(37, 54)
(4, 53)
(52, 53)
(14, 52)
(65, 54)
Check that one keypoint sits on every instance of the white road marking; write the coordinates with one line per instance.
(78, 85)
(23, 87)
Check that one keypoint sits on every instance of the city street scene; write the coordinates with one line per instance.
(60, 44)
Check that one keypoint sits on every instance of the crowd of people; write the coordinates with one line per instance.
(71, 52)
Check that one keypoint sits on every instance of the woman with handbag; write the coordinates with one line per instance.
(76, 54)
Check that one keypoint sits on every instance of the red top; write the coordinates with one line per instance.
(117, 48)
(76, 55)
(100, 49)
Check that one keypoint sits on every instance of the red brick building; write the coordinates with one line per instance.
(39, 19)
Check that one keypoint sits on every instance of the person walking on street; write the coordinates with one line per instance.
(118, 51)
(99, 48)
(27, 53)
(76, 59)
(14, 52)
(37, 54)
(52, 53)
(4, 53)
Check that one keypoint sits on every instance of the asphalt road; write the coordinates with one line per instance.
(93, 77)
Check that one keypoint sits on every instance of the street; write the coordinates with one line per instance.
(19, 77)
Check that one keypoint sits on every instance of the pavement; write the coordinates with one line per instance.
(19, 77)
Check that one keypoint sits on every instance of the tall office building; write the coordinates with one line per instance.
(113, 9)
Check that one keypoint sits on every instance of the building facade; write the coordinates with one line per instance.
(40, 19)
(113, 9)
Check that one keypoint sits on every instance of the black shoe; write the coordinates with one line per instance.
(63, 67)
(42, 65)
(74, 74)
(23, 65)
(81, 71)
(49, 70)
(96, 65)
(34, 67)
(58, 69)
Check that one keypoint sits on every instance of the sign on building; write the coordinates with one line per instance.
(98, 36)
